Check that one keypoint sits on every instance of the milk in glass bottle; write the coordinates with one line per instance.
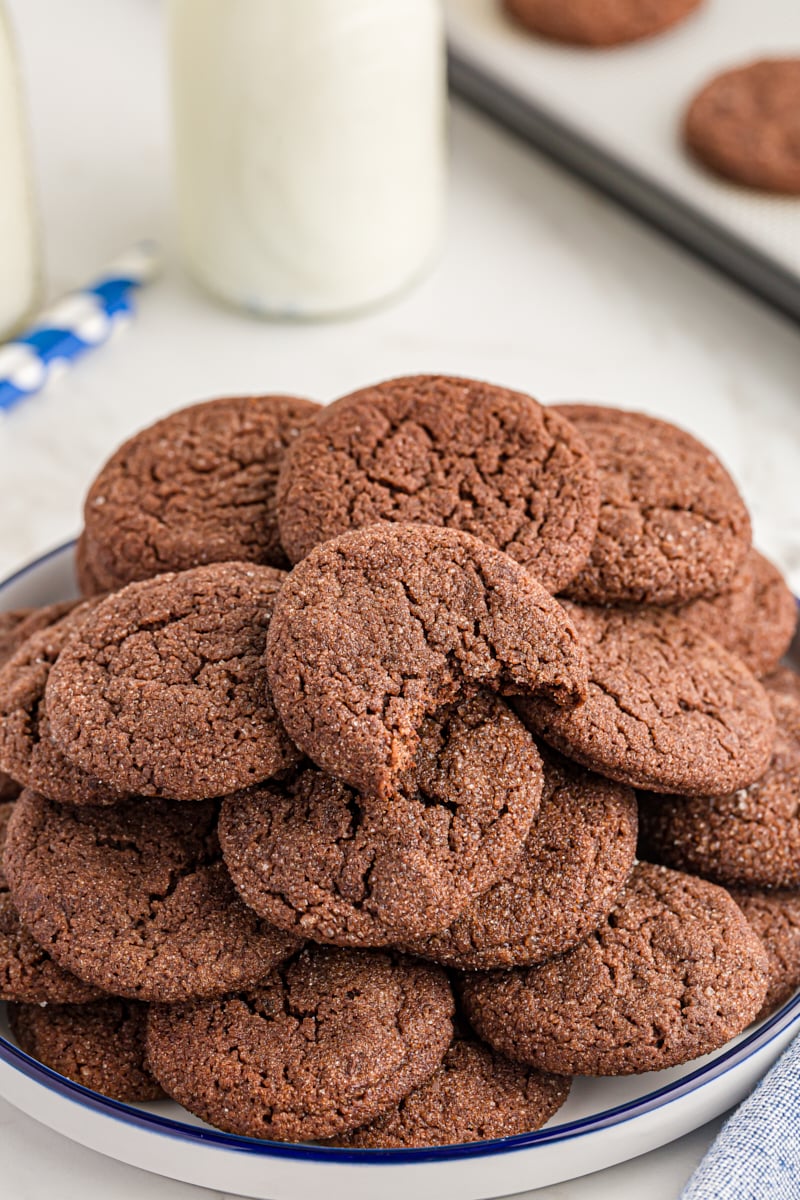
(18, 233)
(310, 148)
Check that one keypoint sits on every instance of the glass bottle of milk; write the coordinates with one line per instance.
(19, 261)
(310, 144)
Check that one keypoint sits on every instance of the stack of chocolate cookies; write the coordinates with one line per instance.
(327, 817)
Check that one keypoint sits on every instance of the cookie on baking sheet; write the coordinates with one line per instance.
(775, 916)
(598, 23)
(313, 858)
(474, 1095)
(323, 1044)
(674, 972)
(744, 125)
(378, 628)
(576, 860)
(27, 750)
(197, 487)
(164, 692)
(668, 709)
(437, 450)
(135, 899)
(27, 973)
(100, 1045)
(746, 838)
(672, 523)
(755, 617)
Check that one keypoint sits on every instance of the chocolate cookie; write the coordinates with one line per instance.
(17, 626)
(435, 450)
(784, 680)
(599, 23)
(675, 972)
(9, 788)
(164, 692)
(135, 899)
(755, 617)
(313, 859)
(27, 973)
(197, 487)
(577, 858)
(27, 750)
(744, 125)
(325, 1043)
(775, 916)
(381, 626)
(6, 809)
(9, 620)
(672, 523)
(668, 709)
(474, 1095)
(98, 1045)
(750, 837)
(88, 582)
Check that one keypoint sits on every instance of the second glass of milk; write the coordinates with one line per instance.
(310, 148)
(19, 246)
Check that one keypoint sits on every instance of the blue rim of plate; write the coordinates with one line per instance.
(727, 1060)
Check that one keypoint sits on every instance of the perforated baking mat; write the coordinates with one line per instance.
(614, 117)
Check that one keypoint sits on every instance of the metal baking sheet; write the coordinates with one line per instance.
(614, 116)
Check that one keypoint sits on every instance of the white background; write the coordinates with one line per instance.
(541, 285)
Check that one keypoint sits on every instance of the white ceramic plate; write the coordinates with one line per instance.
(605, 1121)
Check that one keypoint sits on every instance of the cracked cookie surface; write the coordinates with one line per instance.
(576, 860)
(673, 973)
(743, 125)
(313, 858)
(672, 523)
(599, 23)
(135, 899)
(750, 837)
(6, 809)
(325, 1043)
(755, 617)
(474, 1095)
(775, 916)
(27, 751)
(667, 710)
(164, 692)
(27, 973)
(197, 487)
(378, 628)
(17, 626)
(438, 450)
(98, 1045)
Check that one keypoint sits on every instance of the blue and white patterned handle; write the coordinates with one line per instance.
(75, 325)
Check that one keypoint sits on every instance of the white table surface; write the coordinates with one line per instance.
(541, 285)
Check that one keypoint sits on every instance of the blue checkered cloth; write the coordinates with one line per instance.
(756, 1155)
